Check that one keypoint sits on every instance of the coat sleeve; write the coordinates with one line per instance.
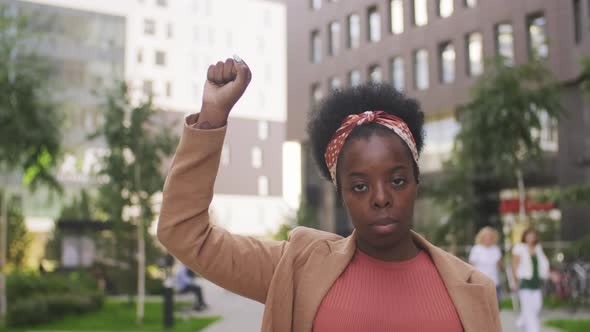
(243, 265)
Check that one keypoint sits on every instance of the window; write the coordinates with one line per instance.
(375, 74)
(160, 58)
(169, 31)
(548, 133)
(149, 27)
(438, 143)
(447, 62)
(316, 47)
(445, 8)
(578, 21)
(420, 12)
(374, 25)
(262, 185)
(316, 4)
(148, 87)
(316, 95)
(262, 130)
(162, 3)
(139, 56)
(256, 157)
(470, 3)
(335, 84)
(474, 54)
(225, 155)
(354, 78)
(421, 75)
(168, 89)
(354, 31)
(505, 42)
(397, 73)
(396, 14)
(537, 27)
(334, 37)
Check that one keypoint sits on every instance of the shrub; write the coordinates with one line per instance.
(35, 299)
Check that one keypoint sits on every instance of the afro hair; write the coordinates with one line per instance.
(325, 120)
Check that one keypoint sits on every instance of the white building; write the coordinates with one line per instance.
(169, 45)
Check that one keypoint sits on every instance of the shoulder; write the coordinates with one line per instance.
(518, 249)
(304, 236)
(476, 248)
(303, 241)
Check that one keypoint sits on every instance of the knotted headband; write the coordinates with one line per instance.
(350, 122)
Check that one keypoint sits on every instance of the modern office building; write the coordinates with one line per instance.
(163, 48)
(434, 51)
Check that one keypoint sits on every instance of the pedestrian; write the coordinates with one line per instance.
(530, 267)
(486, 256)
(185, 283)
(383, 277)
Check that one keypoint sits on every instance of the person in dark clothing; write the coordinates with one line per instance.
(185, 283)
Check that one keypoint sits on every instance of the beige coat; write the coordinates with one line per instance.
(290, 277)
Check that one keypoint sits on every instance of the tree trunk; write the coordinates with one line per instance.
(140, 271)
(3, 257)
(521, 196)
(140, 255)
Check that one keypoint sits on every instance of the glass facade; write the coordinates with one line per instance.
(421, 75)
(505, 42)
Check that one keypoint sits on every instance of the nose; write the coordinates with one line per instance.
(381, 197)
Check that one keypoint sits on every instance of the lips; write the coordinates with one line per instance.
(384, 226)
(383, 221)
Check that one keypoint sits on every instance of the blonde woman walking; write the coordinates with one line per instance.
(486, 256)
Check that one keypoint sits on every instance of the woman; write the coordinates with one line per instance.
(486, 255)
(383, 277)
(530, 266)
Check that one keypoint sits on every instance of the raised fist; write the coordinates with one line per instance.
(226, 83)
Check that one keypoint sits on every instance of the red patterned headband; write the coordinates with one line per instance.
(350, 122)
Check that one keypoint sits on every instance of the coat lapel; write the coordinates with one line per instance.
(331, 266)
(468, 298)
(324, 268)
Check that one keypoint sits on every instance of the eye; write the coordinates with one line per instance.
(359, 187)
(398, 182)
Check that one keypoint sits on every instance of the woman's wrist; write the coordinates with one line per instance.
(211, 119)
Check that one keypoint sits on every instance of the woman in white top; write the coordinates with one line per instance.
(530, 267)
(486, 255)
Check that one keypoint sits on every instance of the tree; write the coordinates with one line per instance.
(499, 138)
(19, 239)
(30, 132)
(137, 146)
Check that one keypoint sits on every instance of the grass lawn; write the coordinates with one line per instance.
(120, 317)
(548, 303)
(570, 325)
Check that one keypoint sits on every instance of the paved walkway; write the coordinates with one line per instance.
(238, 313)
(241, 314)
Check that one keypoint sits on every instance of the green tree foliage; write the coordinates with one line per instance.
(30, 124)
(305, 217)
(19, 239)
(138, 145)
(499, 135)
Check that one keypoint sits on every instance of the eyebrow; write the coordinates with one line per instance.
(391, 170)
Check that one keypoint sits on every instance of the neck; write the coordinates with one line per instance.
(402, 251)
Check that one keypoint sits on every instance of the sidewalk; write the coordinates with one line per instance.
(241, 314)
(509, 319)
(237, 313)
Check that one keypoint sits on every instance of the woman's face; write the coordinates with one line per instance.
(531, 238)
(378, 188)
(489, 239)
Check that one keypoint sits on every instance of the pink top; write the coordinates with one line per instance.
(374, 295)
